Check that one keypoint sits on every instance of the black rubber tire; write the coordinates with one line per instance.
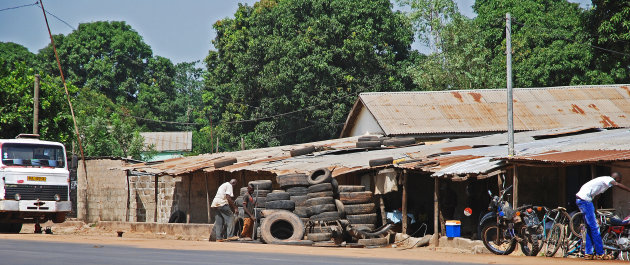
(292, 180)
(555, 238)
(368, 138)
(239, 201)
(277, 196)
(281, 227)
(529, 246)
(381, 161)
(369, 218)
(295, 243)
(364, 208)
(224, 162)
(351, 188)
(576, 223)
(177, 217)
(341, 209)
(261, 202)
(368, 144)
(318, 237)
(263, 184)
(260, 193)
(322, 175)
(302, 212)
(317, 209)
(243, 191)
(320, 194)
(399, 142)
(320, 187)
(355, 197)
(373, 242)
(297, 191)
(335, 187)
(302, 151)
(319, 229)
(488, 231)
(15, 228)
(364, 227)
(319, 201)
(268, 212)
(300, 201)
(281, 205)
(59, 218)
(326, 216)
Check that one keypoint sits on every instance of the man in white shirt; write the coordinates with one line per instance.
(584, 200)
(224, 209)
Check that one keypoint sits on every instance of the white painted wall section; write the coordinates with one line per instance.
(365, 124)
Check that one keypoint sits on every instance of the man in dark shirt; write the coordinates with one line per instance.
(248, 207)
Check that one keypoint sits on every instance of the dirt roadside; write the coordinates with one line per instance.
(99, 237)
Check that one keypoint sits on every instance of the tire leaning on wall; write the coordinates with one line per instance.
(288, 227)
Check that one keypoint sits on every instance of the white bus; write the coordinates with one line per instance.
(34, 183)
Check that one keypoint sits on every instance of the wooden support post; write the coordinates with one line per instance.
(436, 212)
(382, 206)
(156, 190)
(404, 202)
(128, 199)
(593, 171)
(36, 105)
(188, 208)
(515, 187)
(207, 197)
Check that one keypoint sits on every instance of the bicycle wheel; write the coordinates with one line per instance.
(554, 240)
(496, 240)
(576, 224)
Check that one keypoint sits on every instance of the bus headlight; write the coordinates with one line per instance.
(57, 197)
(18, 197)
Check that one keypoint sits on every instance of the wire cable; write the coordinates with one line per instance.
(64, 22)
(16, 7)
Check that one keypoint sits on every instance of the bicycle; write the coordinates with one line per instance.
(555, 224)
(613, 230)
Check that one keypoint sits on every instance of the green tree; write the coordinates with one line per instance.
(609, 23)
(310, 58)
(108, 56)
(16, 110)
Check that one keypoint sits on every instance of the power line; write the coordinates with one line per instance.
(64, 22)
(160, 121)
(286, 113)
(16, 7)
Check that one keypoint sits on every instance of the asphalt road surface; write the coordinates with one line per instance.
(18, 252)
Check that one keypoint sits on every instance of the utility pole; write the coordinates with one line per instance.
(510, 100)
(36, 105)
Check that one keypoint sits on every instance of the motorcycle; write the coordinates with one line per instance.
(503, 227)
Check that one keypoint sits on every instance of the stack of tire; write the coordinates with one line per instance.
(261, 189)
(322, 204)
(296, 185)
(359, 208)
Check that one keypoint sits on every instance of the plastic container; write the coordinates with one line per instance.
(453, 228)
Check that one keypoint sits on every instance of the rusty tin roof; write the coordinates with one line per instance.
(484, 110)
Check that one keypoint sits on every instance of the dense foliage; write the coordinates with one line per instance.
(288, 71)
(306, 58)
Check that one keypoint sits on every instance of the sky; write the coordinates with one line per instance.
(179, 30)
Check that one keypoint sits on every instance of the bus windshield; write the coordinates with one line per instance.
(40, 155)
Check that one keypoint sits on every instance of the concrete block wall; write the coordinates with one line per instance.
(103, 194)
(106, 197)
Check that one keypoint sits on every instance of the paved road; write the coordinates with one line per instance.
(17, 252)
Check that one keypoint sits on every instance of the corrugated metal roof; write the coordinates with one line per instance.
(415, 113)
(168, 141)
(575, 157)
(476, 156)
